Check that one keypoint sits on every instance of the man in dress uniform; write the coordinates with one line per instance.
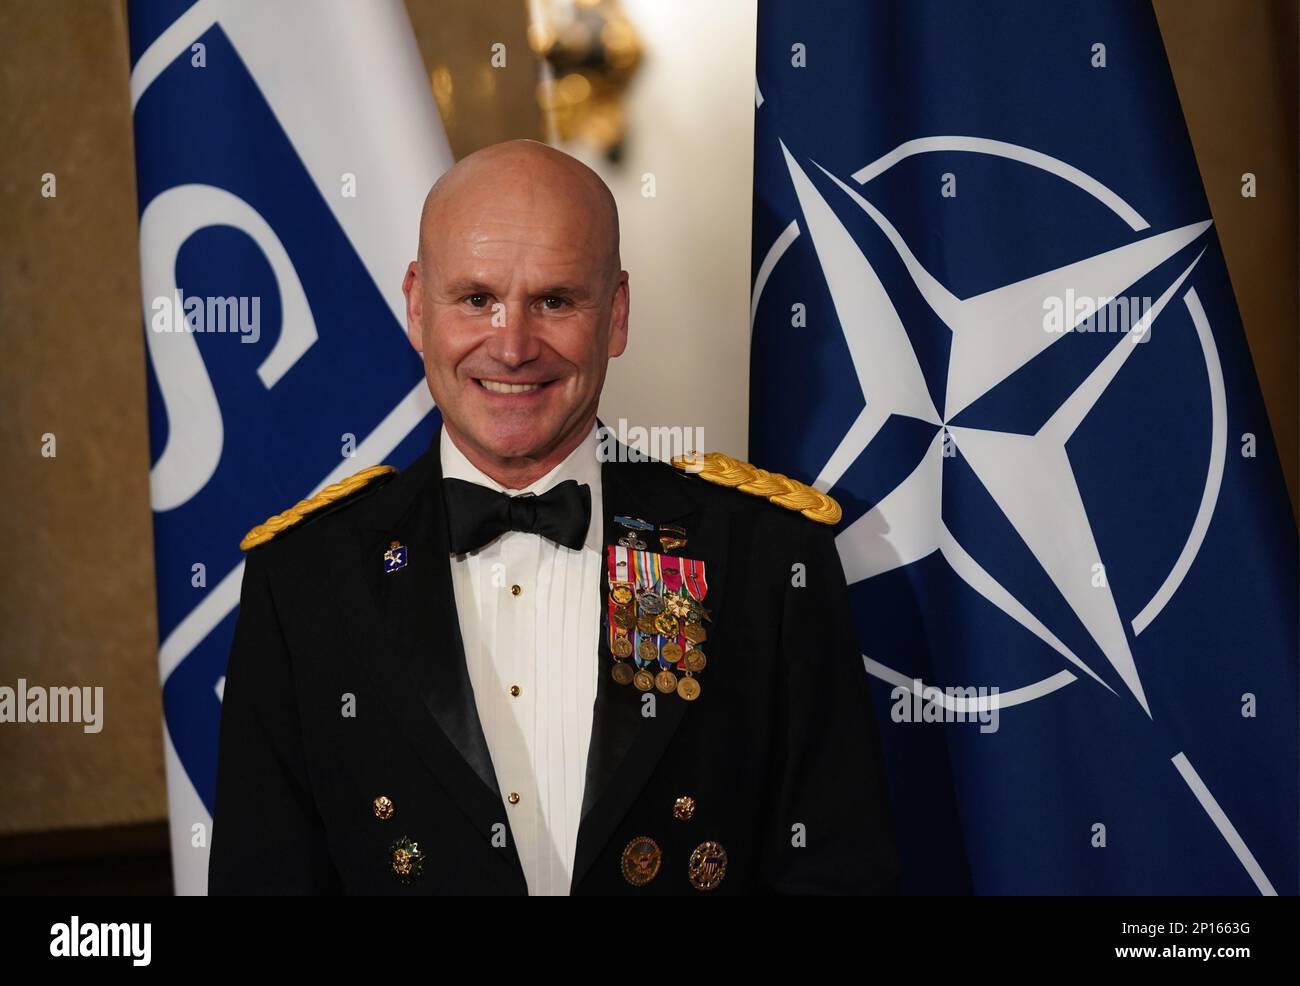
(533, 662)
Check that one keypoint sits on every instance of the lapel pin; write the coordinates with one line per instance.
(394, 558)
(641, 860)
(407, 859)
(708, 866)
(634, 523)
(672, 537)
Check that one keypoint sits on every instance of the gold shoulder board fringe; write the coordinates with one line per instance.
(335, 491)
(722, 469)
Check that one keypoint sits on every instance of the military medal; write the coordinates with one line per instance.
(694, 660)
(655, 616)
(707, 866)
(621, 616)
(650, 603)
(641, 859)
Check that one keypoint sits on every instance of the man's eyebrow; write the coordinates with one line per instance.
(466, 286)
(567, 289)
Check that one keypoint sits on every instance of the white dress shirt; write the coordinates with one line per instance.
(529, 613)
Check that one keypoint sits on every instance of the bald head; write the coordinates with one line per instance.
(524, 175)
(517, 303)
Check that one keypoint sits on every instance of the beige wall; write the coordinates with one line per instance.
(691, 126)
(76, 601)
(1235, 67)
(77, 590)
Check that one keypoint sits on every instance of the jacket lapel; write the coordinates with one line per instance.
(657, 494)
(407, 625)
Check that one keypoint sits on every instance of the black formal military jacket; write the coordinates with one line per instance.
(779, 755)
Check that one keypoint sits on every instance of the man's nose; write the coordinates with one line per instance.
(514, 339)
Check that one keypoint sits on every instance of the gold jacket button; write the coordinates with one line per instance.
(684, 807)
(513, 798)
(383, 807)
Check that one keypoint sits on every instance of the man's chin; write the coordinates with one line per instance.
(516, 436)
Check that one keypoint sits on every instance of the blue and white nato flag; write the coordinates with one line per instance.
(991, 316)
(282, 151)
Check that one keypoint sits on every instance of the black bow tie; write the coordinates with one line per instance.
(477, 515)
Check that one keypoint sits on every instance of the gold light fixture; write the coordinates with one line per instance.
(589, 52)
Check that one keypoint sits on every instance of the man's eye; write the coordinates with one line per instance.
(477, 300)
(554, 302)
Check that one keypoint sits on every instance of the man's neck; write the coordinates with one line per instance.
(519, 473)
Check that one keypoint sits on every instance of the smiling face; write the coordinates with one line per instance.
(517, 304)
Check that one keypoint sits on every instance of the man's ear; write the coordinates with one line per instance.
(618, 316)
(414, 306)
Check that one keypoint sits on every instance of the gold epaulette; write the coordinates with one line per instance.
(781, 490)
(330, 494)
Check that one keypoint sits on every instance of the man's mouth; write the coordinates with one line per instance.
(499, 387)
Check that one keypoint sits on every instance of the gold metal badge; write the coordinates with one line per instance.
(641, 859)
(708, 865)
(407, 859)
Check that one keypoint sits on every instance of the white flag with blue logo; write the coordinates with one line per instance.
(991, 316)
(283, 151)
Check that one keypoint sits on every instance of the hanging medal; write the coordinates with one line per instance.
(621, 614)
(645, 564)
(693, 632)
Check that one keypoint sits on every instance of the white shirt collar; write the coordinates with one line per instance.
(581, 465)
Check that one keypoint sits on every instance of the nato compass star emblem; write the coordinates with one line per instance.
(1028, 476)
